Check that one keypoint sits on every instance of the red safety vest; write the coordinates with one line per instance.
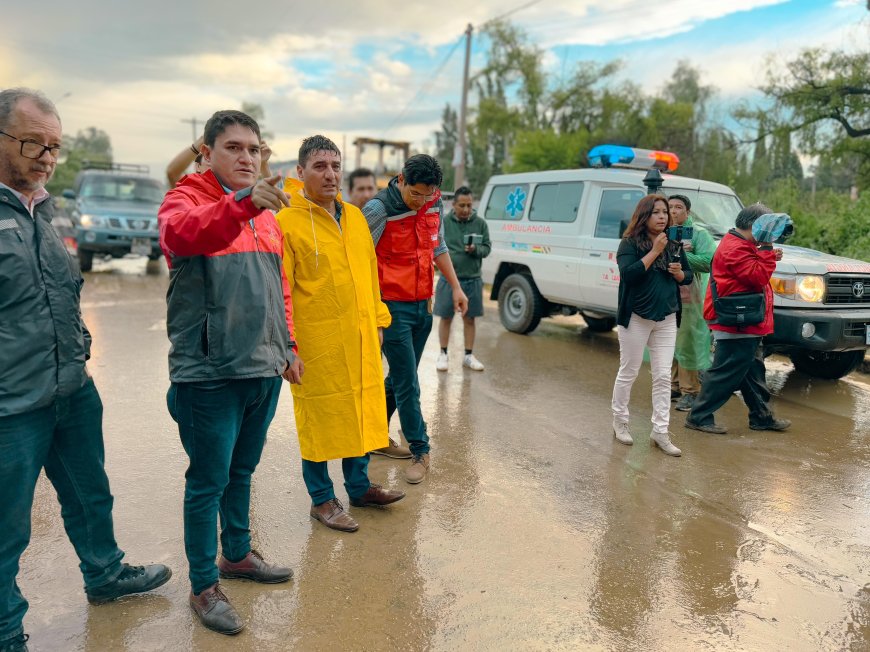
(405, 254)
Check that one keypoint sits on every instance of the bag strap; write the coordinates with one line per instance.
(713, 277)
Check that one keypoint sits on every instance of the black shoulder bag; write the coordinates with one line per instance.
(738, 309)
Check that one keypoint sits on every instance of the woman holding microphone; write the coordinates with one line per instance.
(651, 268)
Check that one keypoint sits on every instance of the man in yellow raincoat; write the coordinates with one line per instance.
(694, 341)
(330, 264)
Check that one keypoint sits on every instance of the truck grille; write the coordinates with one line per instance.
(138, 224)
(848, 289)
(855, 329)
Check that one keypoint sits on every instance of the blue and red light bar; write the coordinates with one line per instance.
(632, 157)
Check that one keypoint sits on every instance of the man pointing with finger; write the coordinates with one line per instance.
(230, 326)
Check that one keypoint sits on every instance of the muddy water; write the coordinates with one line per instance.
(534, 531)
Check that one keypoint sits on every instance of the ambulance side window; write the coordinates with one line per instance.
(556, 202)
(615, 211)
(507, 202)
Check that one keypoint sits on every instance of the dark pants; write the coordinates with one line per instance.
(404, 341)
(223, 426)
(65, 438)
(319, 484)
(737, 364)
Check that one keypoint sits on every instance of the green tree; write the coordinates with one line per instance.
(824, 97)
(257, 112)
(88, 145)
(445, 145)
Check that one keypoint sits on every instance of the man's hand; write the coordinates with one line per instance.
(381, 335)
(265, 154)
(294, 370)
(460, 301)
(687, 246)
(778, 253)
(469, 249)
(267, 195)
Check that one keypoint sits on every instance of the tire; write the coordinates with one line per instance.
(599, 324)
(86, 259)
(520, 305)
(822, 364)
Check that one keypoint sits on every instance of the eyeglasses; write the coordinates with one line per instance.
(34, 150)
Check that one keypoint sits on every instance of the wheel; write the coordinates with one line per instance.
(86, 259)
(823, 364)
(520, 305)
(599, 324)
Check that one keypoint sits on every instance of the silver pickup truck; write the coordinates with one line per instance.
(554, 239)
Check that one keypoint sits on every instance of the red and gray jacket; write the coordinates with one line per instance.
(229, 313)
(740, 266)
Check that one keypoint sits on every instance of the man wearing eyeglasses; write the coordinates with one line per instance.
(405, 221)
(50, 411)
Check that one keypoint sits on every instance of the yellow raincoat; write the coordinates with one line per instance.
(340, 406)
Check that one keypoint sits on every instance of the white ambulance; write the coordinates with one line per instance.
(555, 234)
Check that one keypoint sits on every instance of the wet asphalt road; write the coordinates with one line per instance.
(534, 531)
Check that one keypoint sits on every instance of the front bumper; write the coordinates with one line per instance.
(113, 242)
(836, 330)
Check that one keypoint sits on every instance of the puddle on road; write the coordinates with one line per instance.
(534, 530)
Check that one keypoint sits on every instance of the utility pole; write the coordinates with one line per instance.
(459, 154)
(193, 122)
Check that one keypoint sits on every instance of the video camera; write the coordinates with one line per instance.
(679, 233)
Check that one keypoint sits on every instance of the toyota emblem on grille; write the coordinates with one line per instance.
(858, 289)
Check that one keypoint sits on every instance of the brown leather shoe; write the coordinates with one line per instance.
(377, 496)
(215, 611)
(253, 567)
(394, 450)
(415, 473)
(332, 515)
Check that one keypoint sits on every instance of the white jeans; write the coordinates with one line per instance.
(660, 338)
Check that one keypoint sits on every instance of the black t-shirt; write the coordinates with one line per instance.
(650, 293)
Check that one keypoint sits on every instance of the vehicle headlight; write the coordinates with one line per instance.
(87, 221)
(811, 288)
(783, 285)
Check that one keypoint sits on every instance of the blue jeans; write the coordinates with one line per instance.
(65, 438)
(319, 484)
(223, 426)
(404, 341)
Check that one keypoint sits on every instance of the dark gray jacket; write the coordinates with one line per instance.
(43, 341)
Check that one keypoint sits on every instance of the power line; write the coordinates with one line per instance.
(509, 13)
(428, 82)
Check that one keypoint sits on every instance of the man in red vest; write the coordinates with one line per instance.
(405, 221)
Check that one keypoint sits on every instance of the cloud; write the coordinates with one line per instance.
(138, 70)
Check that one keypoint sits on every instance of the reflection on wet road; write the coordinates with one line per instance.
(534, 531)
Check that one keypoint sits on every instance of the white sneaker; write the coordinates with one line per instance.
(441, 364)
(472, 363)
(622, 432)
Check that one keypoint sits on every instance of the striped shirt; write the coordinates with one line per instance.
(376, 215)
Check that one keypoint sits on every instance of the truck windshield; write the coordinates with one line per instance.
(714, 210)
(133, 189)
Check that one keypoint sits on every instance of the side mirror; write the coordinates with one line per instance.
(69, 193)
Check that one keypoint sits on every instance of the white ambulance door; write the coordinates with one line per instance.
(599, 271)
(555, 241)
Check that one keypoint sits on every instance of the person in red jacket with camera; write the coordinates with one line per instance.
(741, 264)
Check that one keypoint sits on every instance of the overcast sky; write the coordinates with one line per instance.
(352, 68)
